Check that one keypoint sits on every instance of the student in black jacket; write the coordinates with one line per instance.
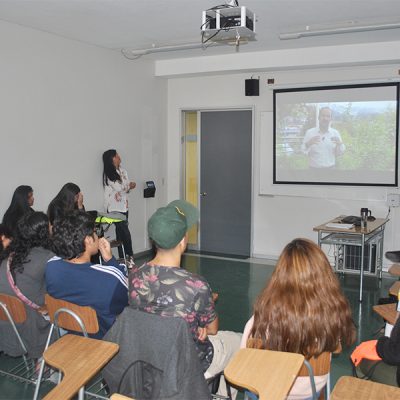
(386, 371)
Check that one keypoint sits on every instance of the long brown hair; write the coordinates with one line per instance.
(302, 309)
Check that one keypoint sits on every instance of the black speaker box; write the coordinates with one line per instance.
(252, 87)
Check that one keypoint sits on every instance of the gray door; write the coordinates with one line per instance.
(225, 182)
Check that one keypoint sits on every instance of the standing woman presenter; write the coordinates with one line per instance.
(116, 188)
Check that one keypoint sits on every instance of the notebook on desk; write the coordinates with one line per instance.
(339, 225)
(351, 219)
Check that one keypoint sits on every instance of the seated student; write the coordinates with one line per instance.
(386, 371)
(22, 270)
(72, 277)
(5, 237)
(301, 310)
(68, 198)
(21, 203)
(161, 287)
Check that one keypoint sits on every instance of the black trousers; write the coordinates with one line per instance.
(124, 235)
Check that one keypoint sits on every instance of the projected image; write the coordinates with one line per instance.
(343, 135)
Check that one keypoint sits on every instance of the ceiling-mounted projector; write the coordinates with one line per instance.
(228, 24)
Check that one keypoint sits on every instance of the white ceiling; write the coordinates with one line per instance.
(138, 24)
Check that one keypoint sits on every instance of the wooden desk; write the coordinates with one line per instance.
(394, 270)
(394, 289)
(79, 365)
(117, 396)
(349, 388)
(355, 236)
(387, 311)
(270, 374)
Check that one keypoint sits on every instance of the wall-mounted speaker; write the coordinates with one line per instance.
(252, 87)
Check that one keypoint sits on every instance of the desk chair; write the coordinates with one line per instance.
(13, 311)
(248, 368)
(79, 358)
(316, 366)
(268, 373)
(71, 317)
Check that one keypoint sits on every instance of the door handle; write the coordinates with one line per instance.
(203, 194)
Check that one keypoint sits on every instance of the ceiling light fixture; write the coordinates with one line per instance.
(337, 28)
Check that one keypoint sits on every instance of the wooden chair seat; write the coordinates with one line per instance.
(80, 359)
(394, 270)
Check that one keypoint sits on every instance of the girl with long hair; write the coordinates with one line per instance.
(22, 274)
(301, 310)
(68, 198)
(21, 203)
(116, 188)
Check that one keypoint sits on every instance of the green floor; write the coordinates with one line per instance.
(238, 282)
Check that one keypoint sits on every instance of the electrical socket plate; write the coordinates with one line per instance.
(393, 200)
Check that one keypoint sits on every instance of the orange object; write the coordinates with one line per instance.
(365, 350)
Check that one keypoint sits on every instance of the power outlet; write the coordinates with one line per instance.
(393, 200)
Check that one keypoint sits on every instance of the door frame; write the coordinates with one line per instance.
(199, 110)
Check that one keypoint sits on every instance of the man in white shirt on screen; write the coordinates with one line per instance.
(323, 144)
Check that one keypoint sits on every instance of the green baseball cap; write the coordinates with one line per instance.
(168, 225)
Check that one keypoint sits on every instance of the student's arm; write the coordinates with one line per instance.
(119, 187)
(389, 348)
(207, 316)
(107, 256)
(246, 332)
(212, 328)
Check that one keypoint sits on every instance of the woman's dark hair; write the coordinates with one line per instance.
(64, 201)
(69, 234)
(18, 207)
(110, 173)
(32, 231)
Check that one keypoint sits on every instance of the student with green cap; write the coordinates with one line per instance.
(161, 287)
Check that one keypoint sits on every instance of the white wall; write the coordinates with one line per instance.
(277, 218)
(62, 104)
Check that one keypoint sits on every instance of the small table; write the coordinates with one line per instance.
(387, 311)
(270, 374)
(355, 236)
(349, 388)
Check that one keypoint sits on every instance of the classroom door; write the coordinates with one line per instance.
(225, 182)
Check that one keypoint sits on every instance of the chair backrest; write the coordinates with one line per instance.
(321, 365)
(66, 321)
(14, 306)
